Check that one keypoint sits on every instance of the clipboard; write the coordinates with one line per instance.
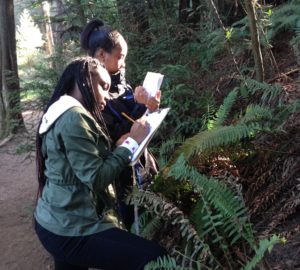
(154, 119)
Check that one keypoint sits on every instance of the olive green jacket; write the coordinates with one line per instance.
(79, 169)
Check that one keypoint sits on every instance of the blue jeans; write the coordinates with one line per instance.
(112, 249)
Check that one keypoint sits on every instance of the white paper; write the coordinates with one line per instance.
(154, 119)
(152, 82)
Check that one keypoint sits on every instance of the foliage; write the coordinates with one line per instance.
(166, 149)
(29, 39)
(164, 263)
(223, 111)
(148, 224)
(290, 12)
(264, 245)
(40, 79)
(222, 217)
(194, 248)
(219, 214)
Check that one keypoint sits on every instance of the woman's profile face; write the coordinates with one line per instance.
(115, 60)
(101, 84)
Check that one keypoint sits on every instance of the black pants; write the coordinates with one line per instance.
(113, 249)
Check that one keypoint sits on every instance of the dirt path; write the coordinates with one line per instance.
(19, 247)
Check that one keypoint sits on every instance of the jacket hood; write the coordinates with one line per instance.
(56, 110)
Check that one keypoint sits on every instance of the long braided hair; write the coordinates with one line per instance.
(80, 72)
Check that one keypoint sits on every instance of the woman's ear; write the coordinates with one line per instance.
(100, 53)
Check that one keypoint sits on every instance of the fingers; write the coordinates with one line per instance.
(158, 94)
(153, 103)
(141, 95)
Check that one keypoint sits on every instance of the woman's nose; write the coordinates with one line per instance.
(105, 95)
(123, 65)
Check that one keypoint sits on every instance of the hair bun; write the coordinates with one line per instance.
(92, 26)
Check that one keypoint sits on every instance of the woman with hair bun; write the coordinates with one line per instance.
(110, 48)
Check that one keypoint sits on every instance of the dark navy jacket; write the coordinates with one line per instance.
(121, 100)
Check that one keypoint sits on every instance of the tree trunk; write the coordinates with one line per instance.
(48, 28)
(10, 105)
(258, 59)
(58, 30)
(182, 11)
(2, 105)
(58, 27)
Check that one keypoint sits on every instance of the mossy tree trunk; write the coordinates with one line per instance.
(10, 105)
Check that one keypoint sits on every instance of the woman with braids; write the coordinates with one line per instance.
(74, 215)
(110, 48)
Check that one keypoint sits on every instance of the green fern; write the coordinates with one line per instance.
(267, 91)
(167, 148)
(285, 17)
(256, 118)
(257, 113)
(166, 262)
(149, 224)
(223, 111)
(216, 137)
(264, 245)
(194, 247)
(295, 40)
(213, 44)
(230, 211)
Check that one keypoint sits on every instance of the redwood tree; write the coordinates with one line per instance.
(10, 110)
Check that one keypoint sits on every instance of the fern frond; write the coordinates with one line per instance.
(167, 148)
(213, 138)
(230, 210)
(223, 111)
(170, 213)
(287, 111)
(268, 91)
(150, 225)
(285, 17)
(166, 262)
(256, 113)
(264, 245)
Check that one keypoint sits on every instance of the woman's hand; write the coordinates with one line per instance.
(139, 130)
(154, 102)
(122, 139)
(141, 96)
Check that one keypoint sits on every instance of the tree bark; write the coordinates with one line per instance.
(182, 11)
(2, 105)
(10, 88)
(48, 28)
(58, 27)
(258, 59)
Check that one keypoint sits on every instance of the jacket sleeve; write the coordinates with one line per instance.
(88, 154)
